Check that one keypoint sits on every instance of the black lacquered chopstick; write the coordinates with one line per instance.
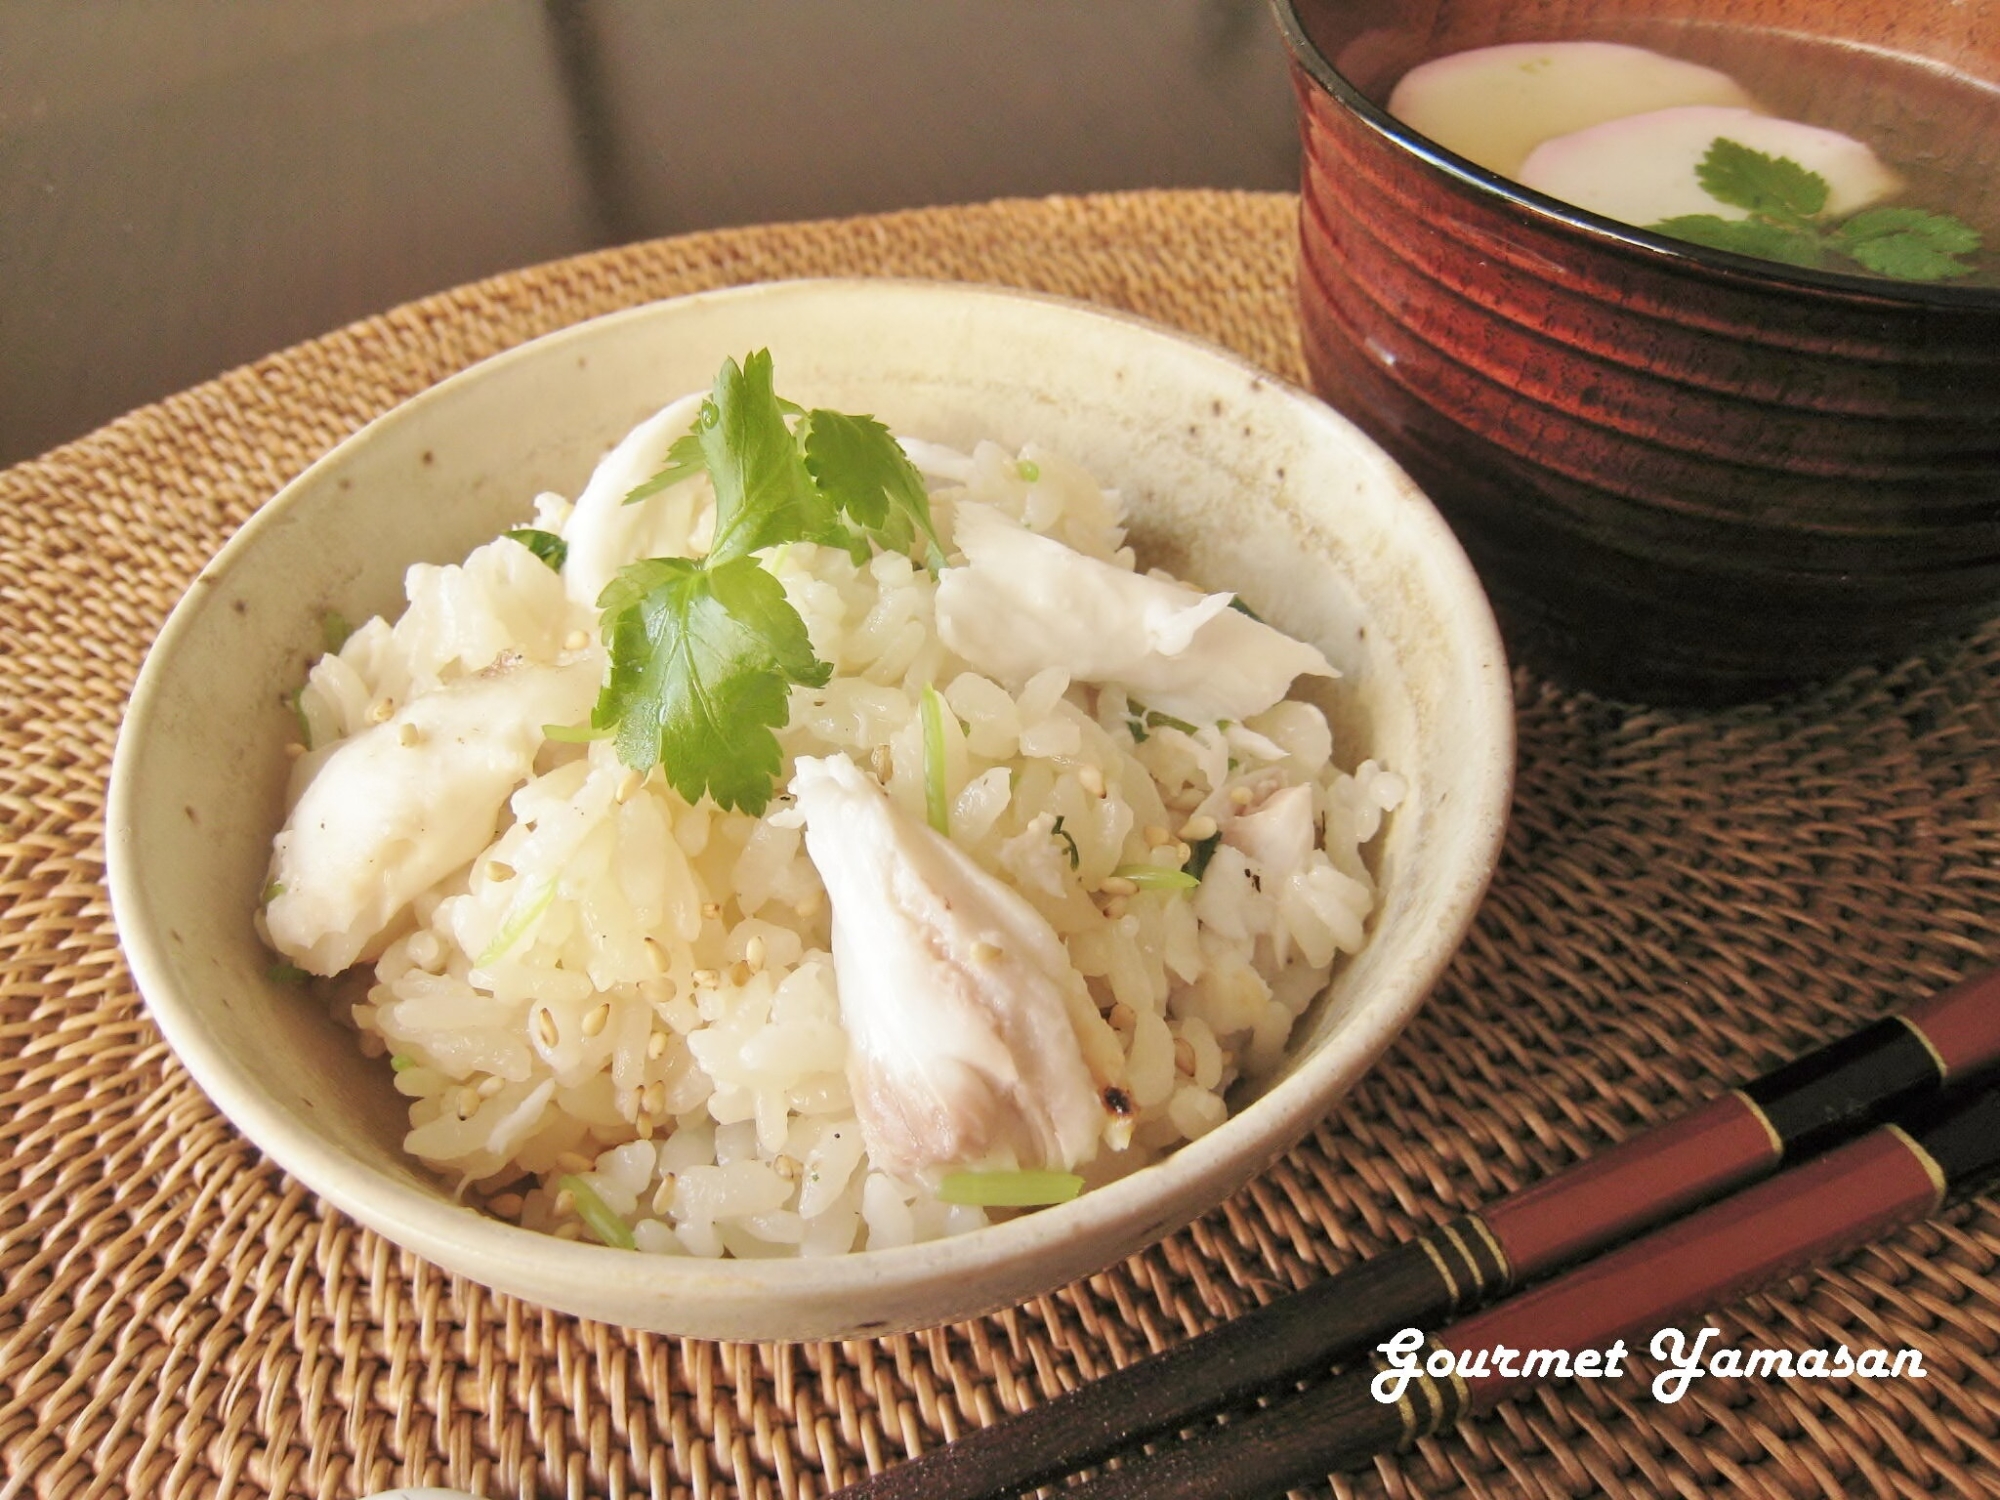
(1801, 1217)
(1732, 1139)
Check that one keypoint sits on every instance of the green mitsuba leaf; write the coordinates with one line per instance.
(764, 494)
(546, 545)
(702, 658)
(685, 459)
(858, 465)
(1798, 247)
(1776, 186)
(1908, 243)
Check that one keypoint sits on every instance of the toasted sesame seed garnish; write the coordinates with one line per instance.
(656, 1045)
(1184, 1056)
(739, 973)
(1122, 1016)
(786, 1167)
(629, 783)
(499, 870)
(882, 762)
(295, 750)
(490, 1085)
(644, 1126)
(576, 640)
(753, 951)
(382, 710)
(545, 1027)
(565, 1204)
(598, 1017)
(1241, 795)
(984, 952)
(1200, 826)
(705, 979)
(506, 1205)
(409, 735)
(656, 955)
(1119, 885)
(466, 1104)
(711, 909)
(663, 1195)
(1091, 779)
(653, 1098)
(575, 1161)
(569, 1229)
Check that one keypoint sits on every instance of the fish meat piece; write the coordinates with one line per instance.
(1022, 602)
(963, 1013)
(395, 809)
(603, 533)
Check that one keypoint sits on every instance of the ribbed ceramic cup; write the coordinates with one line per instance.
(1682, 474)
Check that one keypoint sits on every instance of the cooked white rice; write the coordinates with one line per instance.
(636, 996)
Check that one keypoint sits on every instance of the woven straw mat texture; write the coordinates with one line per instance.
(1687, 898)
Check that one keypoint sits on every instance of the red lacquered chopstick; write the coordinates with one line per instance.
(1803, 1216)
(1734, 1138)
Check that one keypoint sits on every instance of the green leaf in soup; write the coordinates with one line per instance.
(1908, 243)
(1776, 186)
(1796, 247)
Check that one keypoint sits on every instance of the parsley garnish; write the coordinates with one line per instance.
(546, 545)
(1785, 202)
(704, 651)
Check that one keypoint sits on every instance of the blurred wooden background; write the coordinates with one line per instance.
(187, 184)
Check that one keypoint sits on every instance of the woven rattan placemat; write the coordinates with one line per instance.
(1687, 898)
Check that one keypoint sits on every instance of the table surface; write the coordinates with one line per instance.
(188, 185)
(1685, 899)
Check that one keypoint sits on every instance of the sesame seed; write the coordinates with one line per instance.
(598, 1018)
(569, 1229)
(545, 1027)
(507, 1205)
(1240, 795)
(1118, 885)
(575, 1161)
(499, 869)
(565, 1204)
(753, 951)
(656, 955)
(656, 1045)
(1184, 1056)
(466, 1105)
(382, 710)
(627, 785)
(654, 1097)
(786, 1167)
(576, 640)
(409, 735)
(1122, 1016)
(491, 1085)
(711, 909)
(663, 1195)
(739, 973)
(705, 979)
(984, 952)
(1091, 779)
(1199, 827)
(883, 762)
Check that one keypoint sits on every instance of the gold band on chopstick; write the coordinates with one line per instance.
(1937, 1057)
(1493, 1245)
(1940, 1184)
(1443, 1270)
(1777, 1141)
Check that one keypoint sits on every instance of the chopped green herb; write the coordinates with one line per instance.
(1236, 603)
(285, 973)
(1009, 1189)
(546, 545)
(334, 629)
(522, 913)
(1786, 203)
(1075, 858)
(400, 1062)
(1141, 720)
(1158, 878)
(574, 734)
(294, 701)
(1029, 470)
(937, 804)
(271, 893)
(1201, 851)
(596, 1214)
